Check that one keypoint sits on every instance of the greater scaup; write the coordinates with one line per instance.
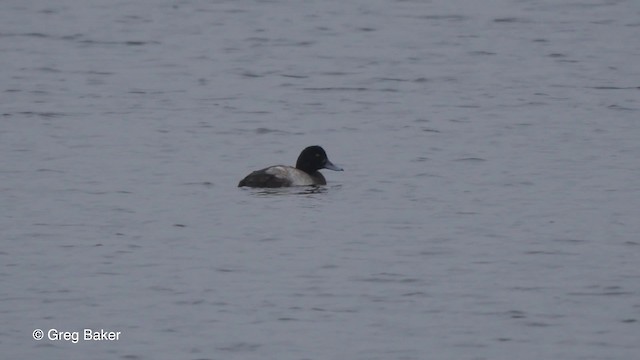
(306, 171)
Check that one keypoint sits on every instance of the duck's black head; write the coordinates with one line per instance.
(314, 158)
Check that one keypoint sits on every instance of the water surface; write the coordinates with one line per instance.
(488, 205)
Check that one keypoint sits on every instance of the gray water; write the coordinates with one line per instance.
(488, 208)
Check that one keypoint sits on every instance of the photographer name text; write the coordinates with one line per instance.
(77, 336)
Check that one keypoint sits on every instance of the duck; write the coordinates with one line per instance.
(305, 173)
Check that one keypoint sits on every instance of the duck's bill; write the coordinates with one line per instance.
(329, 165)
